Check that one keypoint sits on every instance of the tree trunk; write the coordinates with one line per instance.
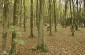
(84, 13)
(24, 15)
(40, 30)
(66, 3)
(5, 23)
(54, 1)
(72, 23)
(37, 13)
(15, 22)
(76, 21)
(49, 10)
(1, 11)
(21, 13)
(31, 19)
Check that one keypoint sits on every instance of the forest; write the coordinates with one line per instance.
(42, 27)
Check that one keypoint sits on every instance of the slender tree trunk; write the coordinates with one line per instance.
(40, 30)
(84, 5)
(49, 10)
(1, 11)
(76, 21)
(37, 13)
(5, 27)
(24, 15)
(15, 22)
(54, 1)
(31, 19)
(21, 11)
(72, 23)
(84, 13)
(60, 12)
(65, 11)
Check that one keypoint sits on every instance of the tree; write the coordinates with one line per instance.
(1, 10)
(37, 13)
(24, 15)
(76, 21)
(31, 19)
(15, 22)
(50, 19)
(5, 27)
(84, 5)
(40, 30)
(66, 2)
(72, 21)
(84, 13)
(54, 1)
(21, 12)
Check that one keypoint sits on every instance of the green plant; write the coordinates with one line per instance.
(18, 40)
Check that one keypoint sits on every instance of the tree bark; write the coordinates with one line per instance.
(50, 23)
(31, 19)
(24, 15)
(5, 25)
(15, 22)
(72, 22)
(40, 30)
(54, 5)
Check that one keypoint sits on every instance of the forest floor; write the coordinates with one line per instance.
(60, 43)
